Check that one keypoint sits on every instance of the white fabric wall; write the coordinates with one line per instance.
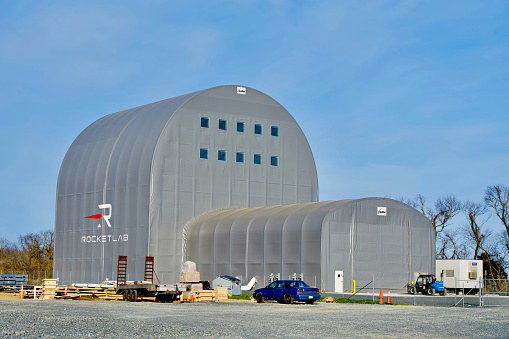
(362, 244)
(315, 239)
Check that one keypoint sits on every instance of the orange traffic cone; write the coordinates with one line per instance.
(389, 297)
(381, 298)
(192, 297)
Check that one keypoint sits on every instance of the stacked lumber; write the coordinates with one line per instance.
(196, 287)
(87, 292)
(189, 277)
(220, 293)
(49, 287)
(30, 293)
(67, 292)
(204, 295)
(186, 296)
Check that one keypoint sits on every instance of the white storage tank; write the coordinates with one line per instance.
(459, 274)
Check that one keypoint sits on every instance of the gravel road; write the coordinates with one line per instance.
(117, 319)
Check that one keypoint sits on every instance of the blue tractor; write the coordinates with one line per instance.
(426, 284)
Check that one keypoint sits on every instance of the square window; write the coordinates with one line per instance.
(221, 155)
(257, 159)
(258, 129)
(241, 126)
(274, 161)
(274, 131)
(240, 157)
(204, 122)
(222, 124)
(204, 153)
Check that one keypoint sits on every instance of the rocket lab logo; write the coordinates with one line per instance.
(106, 217)
(102, 236)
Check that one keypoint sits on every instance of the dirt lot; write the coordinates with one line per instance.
(114, 319)
(8, 295)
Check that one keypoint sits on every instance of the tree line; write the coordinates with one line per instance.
(471, 239)
(32, 253)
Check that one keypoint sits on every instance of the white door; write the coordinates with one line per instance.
(338, 278)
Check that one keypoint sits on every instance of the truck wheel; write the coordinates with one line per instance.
(288, 298)
(430, 291)
(124, 293)
(259, 297)
(135, 296)
(129, 295)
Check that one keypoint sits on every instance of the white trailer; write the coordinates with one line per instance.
(459, 274)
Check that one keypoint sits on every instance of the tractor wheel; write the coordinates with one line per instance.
(430, 291)
(412, 290)
(259, 297)
(288, 298)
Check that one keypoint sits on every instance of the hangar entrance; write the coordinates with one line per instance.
(338, 285)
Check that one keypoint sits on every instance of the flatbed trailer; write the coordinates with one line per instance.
(163, 293)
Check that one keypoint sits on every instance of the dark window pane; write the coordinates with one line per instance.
(204, 153)
(257, 159)
(221, 155)
(274, 131)
(240, 157)
(204, 122)
(241, 126)
(274, 161)
(258, 129)
(222, 124)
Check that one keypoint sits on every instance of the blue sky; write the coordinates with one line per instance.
(396, 98)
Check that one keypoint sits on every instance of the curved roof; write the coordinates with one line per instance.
(128, 161)
(286, 238)
(119, 144)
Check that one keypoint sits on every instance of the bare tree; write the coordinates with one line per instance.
(451, 246)
(9, 256)
(445, 209)
(407, 201)
(496, 198)
(476, 233)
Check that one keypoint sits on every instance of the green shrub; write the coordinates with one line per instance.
(240, 297)
(354, 301)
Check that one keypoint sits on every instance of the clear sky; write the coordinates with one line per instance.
(396, 98)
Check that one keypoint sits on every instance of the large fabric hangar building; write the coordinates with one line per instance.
(224, 177)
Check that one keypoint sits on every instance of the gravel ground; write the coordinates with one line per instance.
(116, 319)
(449, 300)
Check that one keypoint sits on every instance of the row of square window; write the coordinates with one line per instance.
(239, 157)
(241, 126)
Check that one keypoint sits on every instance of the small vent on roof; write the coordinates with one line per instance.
(241, 90)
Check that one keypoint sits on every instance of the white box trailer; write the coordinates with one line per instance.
(459, 274)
